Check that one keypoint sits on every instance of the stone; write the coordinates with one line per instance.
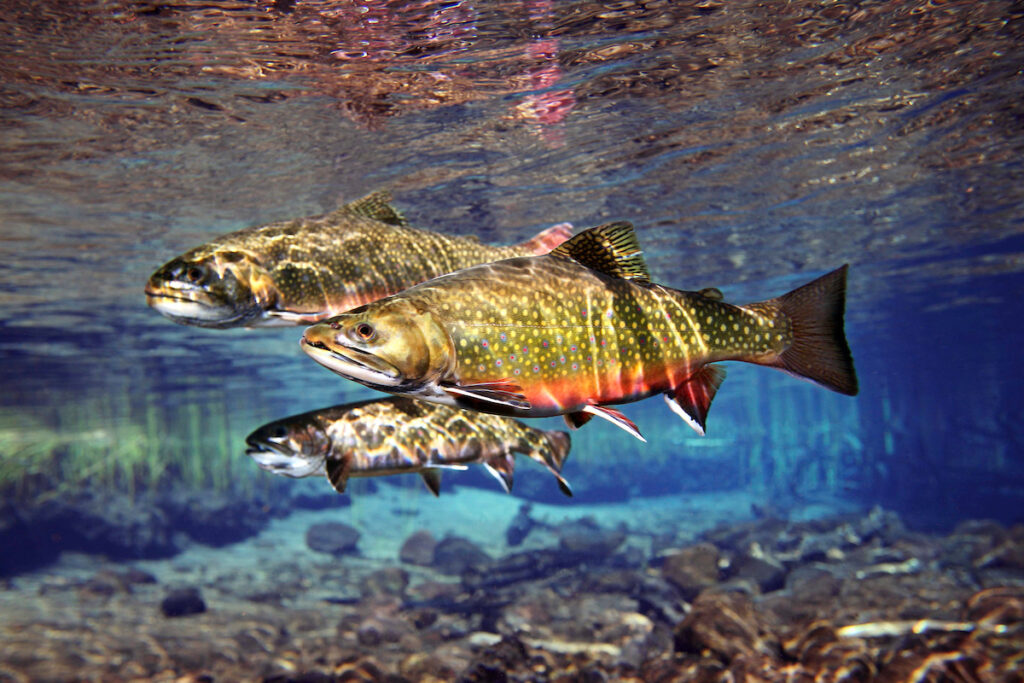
(586, 537)
(692, 569)
(454, 555)
(724, 624)
(333, 538)
(520, 526)
(764, 571)
(182, 602)
(418, 548)
(385, 581)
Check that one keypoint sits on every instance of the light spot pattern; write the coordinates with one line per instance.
(305, 270)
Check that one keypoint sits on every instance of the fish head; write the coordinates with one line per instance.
(293, 447)
(391, 345)
(211, 288)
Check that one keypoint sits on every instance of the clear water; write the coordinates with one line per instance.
(754, 146)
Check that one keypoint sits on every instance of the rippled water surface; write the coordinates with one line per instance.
(754, 145)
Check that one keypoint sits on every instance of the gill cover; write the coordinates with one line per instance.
(391, 345)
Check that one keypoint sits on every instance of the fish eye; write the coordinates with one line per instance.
(278, 432)
(195, 274)
(365, 331)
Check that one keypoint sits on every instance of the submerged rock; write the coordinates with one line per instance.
(692, 569)
(418, 548)
(333, 538)
(587, 537)
(182, 602)
(520, 526)
(454, 555)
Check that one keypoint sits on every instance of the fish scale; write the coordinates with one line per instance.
(578, 330)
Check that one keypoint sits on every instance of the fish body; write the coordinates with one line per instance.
(577, 331)
(399, 435)
(301, 271)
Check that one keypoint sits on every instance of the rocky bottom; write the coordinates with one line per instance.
(853, 598)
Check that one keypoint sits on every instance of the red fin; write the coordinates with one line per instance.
(546, 240)
(819, 351)
(616, 418)
(502, 392)
(692, 399)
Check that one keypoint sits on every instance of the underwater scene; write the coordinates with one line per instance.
(309, 305)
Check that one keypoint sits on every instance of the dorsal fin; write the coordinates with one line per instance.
(611, 249)
(375, 206)
(712, 293)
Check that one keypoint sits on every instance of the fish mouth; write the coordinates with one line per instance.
(190, 306)
(276, 458)
(352, 363)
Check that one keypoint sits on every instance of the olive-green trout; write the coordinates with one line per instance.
(301, 271)
(577, 330)
(400, 434)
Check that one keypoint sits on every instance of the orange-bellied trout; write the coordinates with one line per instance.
(577, 330)
(301, 271)
(400, 434)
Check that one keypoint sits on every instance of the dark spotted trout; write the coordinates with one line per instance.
(301, 271)
(399, 434)
(578, 330)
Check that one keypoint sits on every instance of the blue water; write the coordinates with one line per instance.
(754, 147)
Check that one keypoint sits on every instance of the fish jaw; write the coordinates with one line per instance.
(351, 363)
(391, 346)
(276, 458)
(202, 292)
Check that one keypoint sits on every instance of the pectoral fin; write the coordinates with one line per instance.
(501, 392)
(578, 419)
(337, 472)
(502, 467)
(432, 478)
(691, 400)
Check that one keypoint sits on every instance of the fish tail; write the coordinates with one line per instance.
(546, 240)
(819, 351)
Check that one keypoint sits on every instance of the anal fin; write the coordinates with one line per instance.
(691, 400)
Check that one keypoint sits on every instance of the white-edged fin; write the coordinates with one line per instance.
(437, 465)
(616, 418)
(502, 392)
(502, 467)
(683, 414)
(432, 478)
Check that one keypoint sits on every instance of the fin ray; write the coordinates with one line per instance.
(612, 249)
(691, 400)
(819, 351)
(375, 205)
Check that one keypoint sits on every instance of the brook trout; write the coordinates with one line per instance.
(578, 330)
(301, 271)
(398, 434)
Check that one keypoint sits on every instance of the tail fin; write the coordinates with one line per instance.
(546, 240)
(560, 444)
(819, 351)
